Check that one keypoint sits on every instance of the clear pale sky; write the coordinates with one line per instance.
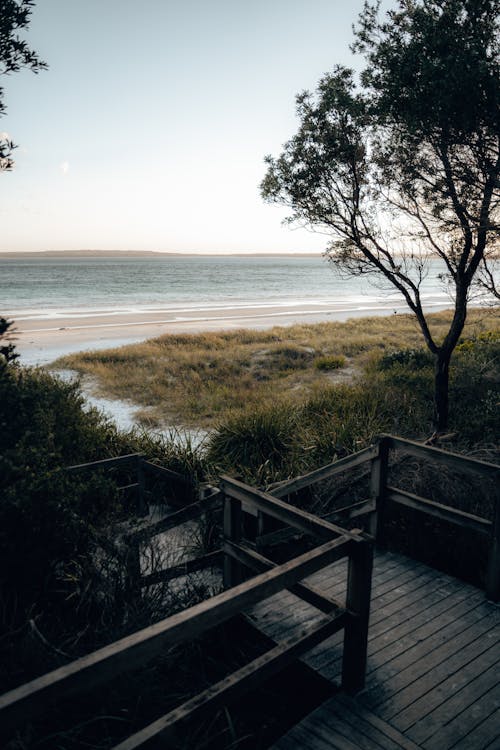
(149, 129)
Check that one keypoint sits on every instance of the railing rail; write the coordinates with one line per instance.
(240, 498)
(378, 457)
(32, 699)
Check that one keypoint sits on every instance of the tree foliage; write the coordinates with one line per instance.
(15, 54)
(403, 164)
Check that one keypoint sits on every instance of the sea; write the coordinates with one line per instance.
(45, 289)
(92, 292)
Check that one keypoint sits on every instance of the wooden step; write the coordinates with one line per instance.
(342, 723)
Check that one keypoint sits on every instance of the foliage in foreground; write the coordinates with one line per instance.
(62, 584)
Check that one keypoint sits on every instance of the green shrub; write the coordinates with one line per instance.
(330, 362)
(263, 445)
(416, 359)
(60, 568)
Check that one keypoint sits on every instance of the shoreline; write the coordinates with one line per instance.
(41, 341)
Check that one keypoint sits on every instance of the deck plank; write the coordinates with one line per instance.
(400, 631)
(409, 674)
(426, 693)
(484, 733)
(448, 720)
(433, 676)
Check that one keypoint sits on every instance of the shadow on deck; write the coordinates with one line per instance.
(433, 671)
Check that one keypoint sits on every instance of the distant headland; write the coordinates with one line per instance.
(142, 253)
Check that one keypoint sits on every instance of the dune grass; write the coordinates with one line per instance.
(199, 379)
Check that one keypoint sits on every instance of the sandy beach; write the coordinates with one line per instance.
(42, 341)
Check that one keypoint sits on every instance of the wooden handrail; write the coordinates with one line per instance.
(182, 569)
(259, 563)
(461, 518)
(31, 699)
(359, 569)
(288, 514)
(446, 458)
(178, 517)
(438, 510)
(240, 682)
(105, 463)
(165, 473)
(325, 472)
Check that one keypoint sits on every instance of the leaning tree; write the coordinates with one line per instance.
(401, 163)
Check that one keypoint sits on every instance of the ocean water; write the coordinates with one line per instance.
(45, 289)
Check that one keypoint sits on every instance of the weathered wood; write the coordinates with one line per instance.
(378, 482)
(358, 597)
(232, 532)
(355, 510)
(288, 514)
(444, 512)
(493, 572)
(105, 463)
(325, 472)
(427, 643)
(422, 687)
(182, 569)
(138, 649)
(190, 512)
(162, 471)
(142, 508)
(377, 728)
(445, 458)
(259, 563)
(438, 724)
(239, 682)
(485, 732)
(342, 715)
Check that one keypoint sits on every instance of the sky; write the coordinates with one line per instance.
(149, 129)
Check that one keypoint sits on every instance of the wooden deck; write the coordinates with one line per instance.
(425, 669)
(433, 677)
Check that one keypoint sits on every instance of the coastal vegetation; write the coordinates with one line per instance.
(290, 398)
(271, 411)
(62, 585)
(275, 403)
(401, 163)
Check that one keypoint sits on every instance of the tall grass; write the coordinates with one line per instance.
(199, 379)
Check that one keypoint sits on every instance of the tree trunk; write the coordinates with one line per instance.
(441, 382)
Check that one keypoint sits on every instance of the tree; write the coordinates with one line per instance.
(402, 165)
(7, 348)
(14, 55)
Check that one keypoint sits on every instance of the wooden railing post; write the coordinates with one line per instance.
(493, 572)
(359, 583)
(133, 570)
(142, 509)
(378, 483)
(232, 532)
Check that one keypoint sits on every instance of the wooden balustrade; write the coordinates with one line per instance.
(30, 700)
(378, 458)
(238, 497)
